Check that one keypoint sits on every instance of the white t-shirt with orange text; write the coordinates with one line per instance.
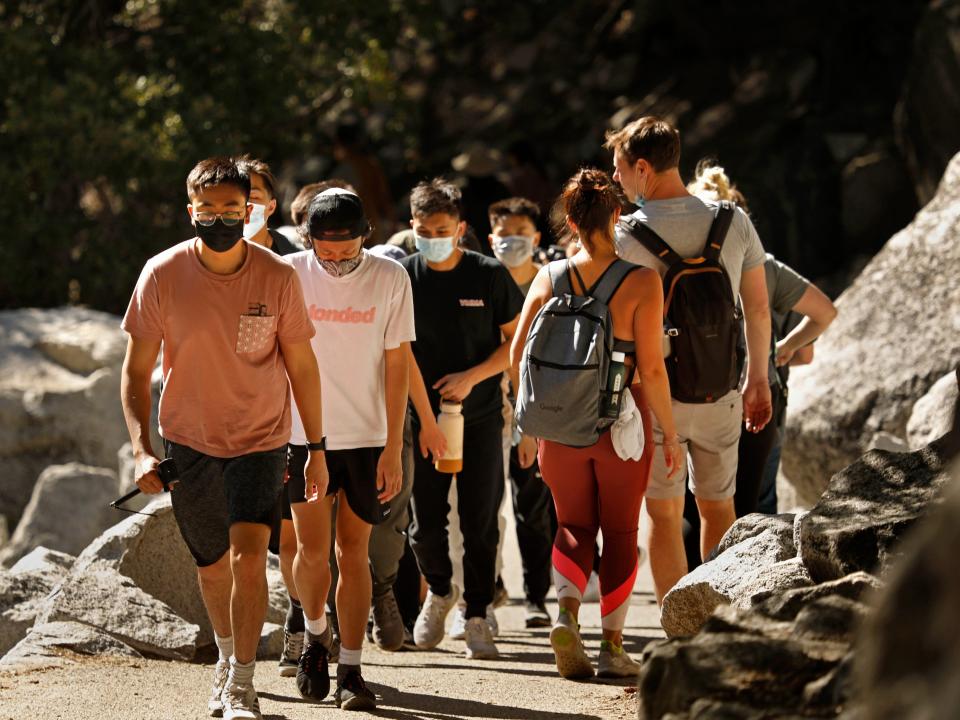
(357, 318)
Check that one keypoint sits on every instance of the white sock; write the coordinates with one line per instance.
(241, 673)
(350, 657)
(316, 627)
(225, 646)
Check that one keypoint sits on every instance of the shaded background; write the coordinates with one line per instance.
(835, 119)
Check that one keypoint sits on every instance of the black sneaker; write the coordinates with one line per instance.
(352, 693)
(535, 615)
(313, 672)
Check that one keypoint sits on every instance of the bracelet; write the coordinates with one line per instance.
(318, 446)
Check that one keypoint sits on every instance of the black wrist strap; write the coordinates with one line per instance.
(322, 445)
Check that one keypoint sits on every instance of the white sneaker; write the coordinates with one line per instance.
(480, 640)
(240, 702)
(592, 592)
(458, 628)
(572, 660)
(613, 662)
(428, 630)
(221, 671)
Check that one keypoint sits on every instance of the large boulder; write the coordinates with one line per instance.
(909, 650)
(868, 508)
(59, 395)
(23, 589)
(69, 508)
(58, 643)
(894, 337)
(99, 596)
(763, 561)
(743, 664)
(932, 416)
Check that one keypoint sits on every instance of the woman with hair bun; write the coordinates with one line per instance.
(593, 488)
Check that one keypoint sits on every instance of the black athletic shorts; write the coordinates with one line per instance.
(213, 493)
(354, 471)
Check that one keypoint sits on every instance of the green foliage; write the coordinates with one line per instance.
(107, 105)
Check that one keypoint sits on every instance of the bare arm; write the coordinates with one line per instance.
(135, 376)
(431, 440)
(540, 292)
(648, 339)
(757, 408)
(456, 386)
(397, 384)
(304, 375)
(818, 312)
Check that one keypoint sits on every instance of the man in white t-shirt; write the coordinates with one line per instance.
(646, 156)
(362, 308)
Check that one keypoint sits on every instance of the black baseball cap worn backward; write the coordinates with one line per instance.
(337, 214)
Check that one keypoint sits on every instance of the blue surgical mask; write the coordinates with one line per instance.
(435, 250)
(513, 250)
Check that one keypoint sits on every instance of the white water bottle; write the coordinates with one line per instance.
(450, 421)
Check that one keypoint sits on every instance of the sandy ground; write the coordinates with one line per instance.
(523, 684)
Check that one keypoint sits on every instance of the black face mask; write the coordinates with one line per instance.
(219, 237)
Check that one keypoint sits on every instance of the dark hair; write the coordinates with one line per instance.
(252, 166)
(649, 138)
(216, 171)
(301, 203)
(436, 196)
(590, 198)
(514, 207)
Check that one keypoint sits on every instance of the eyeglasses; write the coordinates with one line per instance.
(228, 218)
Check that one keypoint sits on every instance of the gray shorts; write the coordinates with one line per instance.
(709, 434)
(213, 493)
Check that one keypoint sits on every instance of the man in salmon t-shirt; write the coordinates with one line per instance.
(231, 320)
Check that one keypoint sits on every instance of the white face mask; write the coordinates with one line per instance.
(435, 250)
(258, 218)
(513, 250)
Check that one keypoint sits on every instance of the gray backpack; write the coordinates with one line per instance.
(566, 358)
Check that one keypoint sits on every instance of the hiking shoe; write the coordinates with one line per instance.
(458, 628)
(479, 639)
(428, 630)
(240, 702)
(313, 672)
(387, 623)
(500, 595)
(613, 662)
(292, 650)
(352, 693)
(333, 650)
(535, 615)
(572, 660)
(221, 671)
(408, 642)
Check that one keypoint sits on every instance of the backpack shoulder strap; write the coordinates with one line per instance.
(559, 277)
(718, 230)
(611, 280)
(645, 235)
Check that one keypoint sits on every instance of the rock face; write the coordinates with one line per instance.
(894, 337)
(23, 589)
(59, 390)
(756, 557)
(908, 663)
(932, 416)
(868, 508)
(68, 509)
(52, 644)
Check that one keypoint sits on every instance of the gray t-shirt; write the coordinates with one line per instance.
(785, 287)
(684, 223)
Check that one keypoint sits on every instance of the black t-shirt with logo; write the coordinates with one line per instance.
(458, 314)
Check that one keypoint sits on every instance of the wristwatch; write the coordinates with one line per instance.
(322, 445)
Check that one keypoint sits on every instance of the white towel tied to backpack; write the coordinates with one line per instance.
(627, 432)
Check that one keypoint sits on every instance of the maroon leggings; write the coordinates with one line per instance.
(594, 490)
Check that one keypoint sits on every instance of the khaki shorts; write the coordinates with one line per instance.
(709, 433)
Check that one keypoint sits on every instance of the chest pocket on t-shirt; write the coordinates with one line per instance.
(256, 332)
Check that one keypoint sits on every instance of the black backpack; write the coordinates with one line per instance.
(700, 313)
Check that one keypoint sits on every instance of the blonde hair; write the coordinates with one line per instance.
(712, 183)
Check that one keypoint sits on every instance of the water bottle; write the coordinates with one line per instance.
(450, 421)
(616, 378)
